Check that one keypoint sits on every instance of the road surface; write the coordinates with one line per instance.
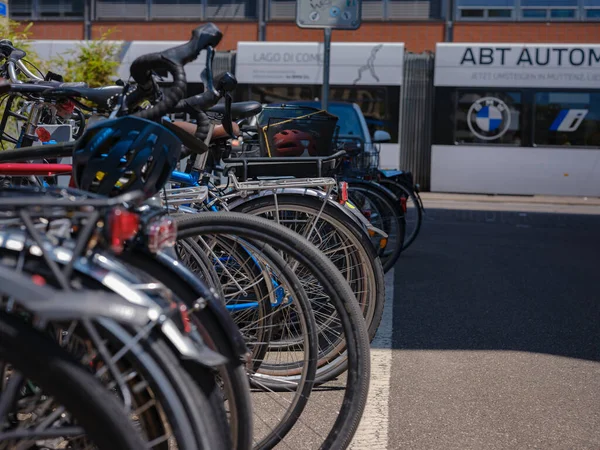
(491, 336)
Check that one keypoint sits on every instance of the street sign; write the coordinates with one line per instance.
(333, 14)
(3, 10)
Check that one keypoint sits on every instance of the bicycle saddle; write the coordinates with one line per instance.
(99, 96)
(239, 110)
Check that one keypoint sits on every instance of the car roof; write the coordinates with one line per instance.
(311, 103)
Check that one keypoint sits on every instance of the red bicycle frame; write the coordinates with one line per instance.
(29, 169)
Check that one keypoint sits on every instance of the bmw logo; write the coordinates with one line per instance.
(488, 118)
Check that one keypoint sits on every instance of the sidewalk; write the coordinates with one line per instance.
(535, 203)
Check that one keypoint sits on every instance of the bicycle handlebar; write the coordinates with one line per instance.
(172, 60)
(14, 61)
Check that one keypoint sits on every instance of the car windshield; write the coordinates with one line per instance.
(348, 121)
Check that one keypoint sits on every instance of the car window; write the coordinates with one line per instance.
(348, 121)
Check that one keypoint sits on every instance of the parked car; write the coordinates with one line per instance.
(351, 121)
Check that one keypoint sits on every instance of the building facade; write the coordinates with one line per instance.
(420, 24)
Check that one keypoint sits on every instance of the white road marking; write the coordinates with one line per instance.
(372, 433)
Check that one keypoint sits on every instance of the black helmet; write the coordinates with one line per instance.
(123, 155)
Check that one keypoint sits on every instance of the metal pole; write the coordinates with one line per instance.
(326, 58)
(261, 20)
(87, 29)
(449, 32)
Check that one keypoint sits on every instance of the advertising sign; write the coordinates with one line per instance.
(517, 65)
(284, 63)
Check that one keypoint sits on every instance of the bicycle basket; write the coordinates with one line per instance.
(361, 158)
(306, 135)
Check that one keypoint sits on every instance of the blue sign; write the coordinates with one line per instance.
(3, 9)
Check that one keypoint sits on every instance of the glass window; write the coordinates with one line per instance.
(567, 118)
(471, 12)
(562, 13)
(593, 13)
(534, 13)
(379, 105)
(488, 118)
(60, 8)
(485, 4)
(549, 3)
(20, 8)
(500, 13)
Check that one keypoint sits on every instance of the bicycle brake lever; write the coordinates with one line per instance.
(207, 74)
(227, 116)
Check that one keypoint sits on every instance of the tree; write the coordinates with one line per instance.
(94, 62)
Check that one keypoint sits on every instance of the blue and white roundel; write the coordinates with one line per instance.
(488, 118)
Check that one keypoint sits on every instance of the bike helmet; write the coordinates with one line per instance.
(124, 155)
(294, 143)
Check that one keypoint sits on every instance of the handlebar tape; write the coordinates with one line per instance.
(173, 61)
(38, 152)
(202, 37)
(203, 123)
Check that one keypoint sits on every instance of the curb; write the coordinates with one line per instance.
(511, 199)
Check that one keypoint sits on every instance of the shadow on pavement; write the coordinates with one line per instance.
(491, 280)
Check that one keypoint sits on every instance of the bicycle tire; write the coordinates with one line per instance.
(373, 268)
(193, 393)
(173, 390)
(215, 337)
(391, 212)
(40, 359)
(357, 361)
(403, 191)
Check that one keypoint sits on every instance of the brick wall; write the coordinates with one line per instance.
(418, 37)
(551, 33)
(176, 31)
(57, 30)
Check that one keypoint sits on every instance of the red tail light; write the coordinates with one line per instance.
(343, 192)
(161, 234)
(122, 226)
(43, 134)
(185, 318)
(403, 203)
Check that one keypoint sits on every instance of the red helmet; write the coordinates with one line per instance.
(294, 143)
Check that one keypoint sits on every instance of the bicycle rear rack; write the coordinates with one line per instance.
(281, 183)
(182, 196)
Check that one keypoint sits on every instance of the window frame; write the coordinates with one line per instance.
(590, 8)
(486, 15)
(36, 16)
(534, 105)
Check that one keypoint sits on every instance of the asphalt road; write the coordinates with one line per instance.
(495, 334)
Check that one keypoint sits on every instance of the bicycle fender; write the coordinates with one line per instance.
(348, 209)
(162, 262)
(116, 278)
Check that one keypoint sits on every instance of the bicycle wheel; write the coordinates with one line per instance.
(71, 406)
(169, 408)
(266, 301)
(412, 207)
(383, 213)
(352, 336)
(340, 239)
(232, 375)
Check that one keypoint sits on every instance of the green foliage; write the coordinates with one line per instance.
(94, 62)
(20, 35)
